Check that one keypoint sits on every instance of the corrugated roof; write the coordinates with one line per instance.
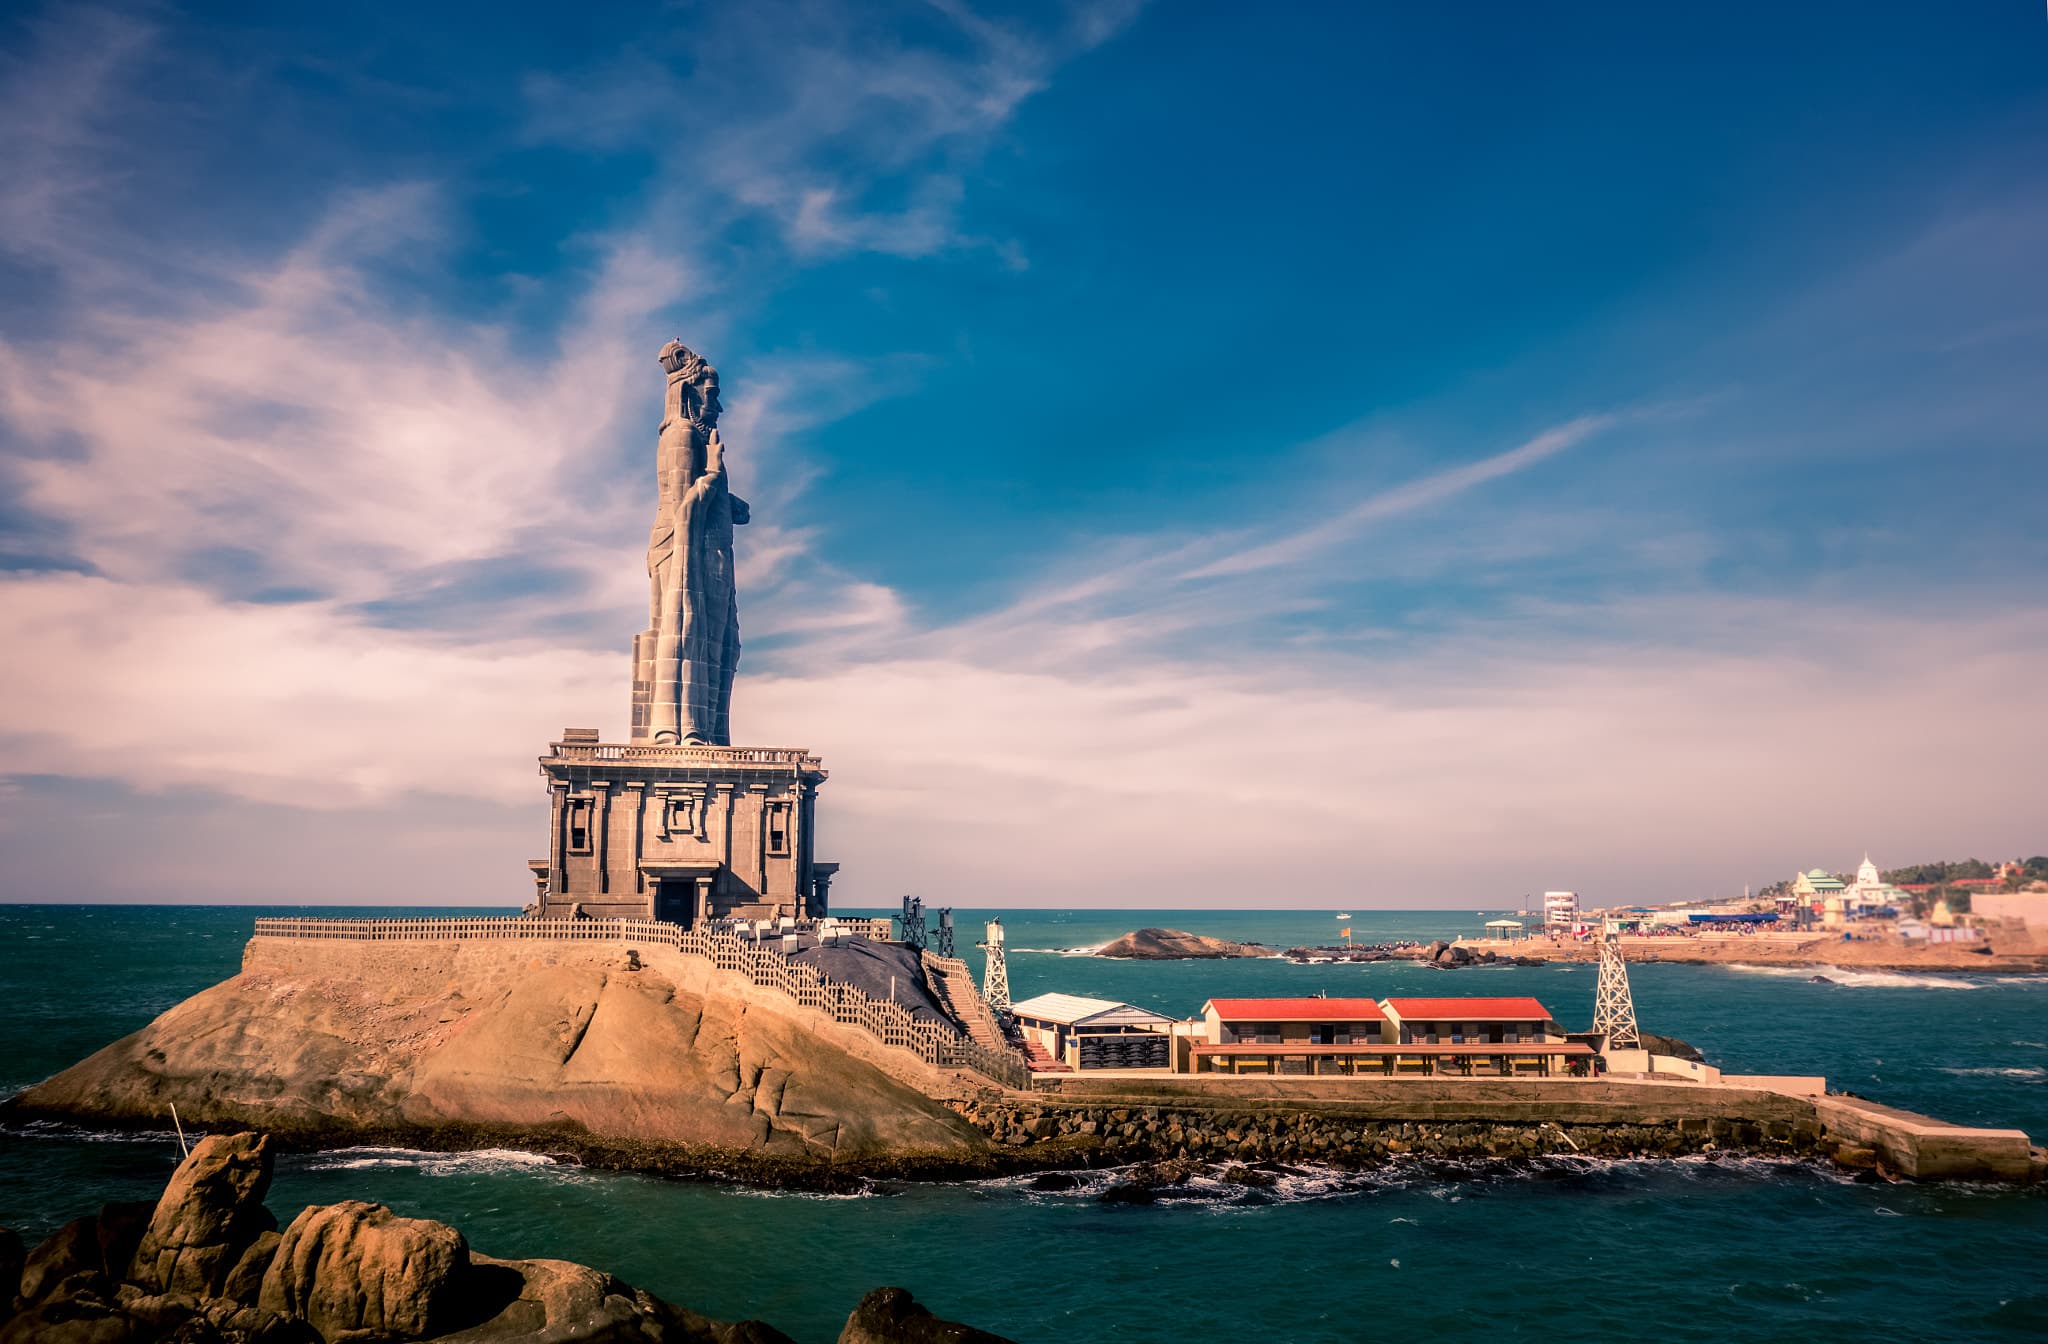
(1074, 1009)
(1470, 1010)
(1296, 1010)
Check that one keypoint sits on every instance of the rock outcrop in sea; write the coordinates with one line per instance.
(1451, 956)
(208, 1264)
(1177, 945)
(671, 1065)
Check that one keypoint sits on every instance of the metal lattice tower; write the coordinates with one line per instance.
(944, 940)
(995, 979)
(912, 920)
(1614, 1008)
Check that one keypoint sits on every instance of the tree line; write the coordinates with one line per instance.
(2034, 869)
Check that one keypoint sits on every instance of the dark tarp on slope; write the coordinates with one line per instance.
(868, 966)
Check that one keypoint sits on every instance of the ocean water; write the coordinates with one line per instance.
(1564, 1250)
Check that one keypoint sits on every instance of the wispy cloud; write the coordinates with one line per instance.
(1426, 492)
(844, 134)
(57, 86)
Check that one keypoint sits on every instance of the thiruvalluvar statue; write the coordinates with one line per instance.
(683, 663)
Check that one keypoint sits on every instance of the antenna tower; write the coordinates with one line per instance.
(945, 935)
(1614, 1008)
(995, 978)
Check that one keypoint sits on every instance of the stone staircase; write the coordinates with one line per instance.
(953, 984)
(1041, 1061)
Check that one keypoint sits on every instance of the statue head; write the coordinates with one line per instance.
(698, 382)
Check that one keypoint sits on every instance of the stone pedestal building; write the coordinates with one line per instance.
(681, 833)
(677, 824)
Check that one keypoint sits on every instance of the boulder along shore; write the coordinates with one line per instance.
(1053, 1134)
(208, 1263)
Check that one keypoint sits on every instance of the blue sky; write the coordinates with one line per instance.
(1200, 455)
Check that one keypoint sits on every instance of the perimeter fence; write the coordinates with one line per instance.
(939, 1044)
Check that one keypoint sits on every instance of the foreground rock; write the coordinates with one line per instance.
(892, 1316)
(1177, 945)
(205, 1265)
(465, 1045)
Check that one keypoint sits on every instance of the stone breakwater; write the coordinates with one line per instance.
(1048, 1134)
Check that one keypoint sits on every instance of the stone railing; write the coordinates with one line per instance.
(937, 1044)
(684, 755)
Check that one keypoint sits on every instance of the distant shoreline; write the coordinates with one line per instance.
(1817, 952)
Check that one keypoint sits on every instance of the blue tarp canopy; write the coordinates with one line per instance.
(1759, 918)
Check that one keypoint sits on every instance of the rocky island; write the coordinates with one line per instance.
(207, 1263)
(641, 1058)
(1177, 945)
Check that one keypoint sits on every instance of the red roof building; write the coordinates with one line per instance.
(1469, 1010)
(1294, 1010)
(1503, 1037)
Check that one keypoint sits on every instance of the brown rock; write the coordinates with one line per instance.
(687, 1059)
(13, 1254)
(209, 1214)
(892, 1316)
(68, 1256)
(119, 1230)
(237, 1324)
(1856, 1157)
(357, 1271)
(549, 1301)
(244, 1283)
(82, 1320)
(161, 1312)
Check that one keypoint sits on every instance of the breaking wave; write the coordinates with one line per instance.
(1446, 1179)
(2033, 1071)
(1854, 979)
(75, 1133)
(1063, 951)
(477, 1162)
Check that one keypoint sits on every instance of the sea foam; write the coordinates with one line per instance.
(475, 1162)
(1851, 978)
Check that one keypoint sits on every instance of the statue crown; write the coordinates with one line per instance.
(675, 356)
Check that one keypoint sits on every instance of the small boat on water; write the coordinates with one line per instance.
(1343, 916)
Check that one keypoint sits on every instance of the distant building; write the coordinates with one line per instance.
(1871, 892)
(1816, 892)
(1561, 909)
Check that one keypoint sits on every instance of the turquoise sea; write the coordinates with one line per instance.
(1565, 1250)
